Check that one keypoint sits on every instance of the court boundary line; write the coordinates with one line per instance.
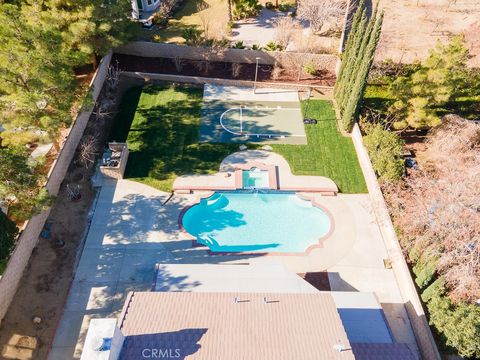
(241, 133)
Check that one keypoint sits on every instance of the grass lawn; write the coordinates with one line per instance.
(328, 153)
(162, 135)
(161, 126)
(188, 15)
(378, 97)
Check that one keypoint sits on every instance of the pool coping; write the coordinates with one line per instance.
(275, 180)
(308, 250)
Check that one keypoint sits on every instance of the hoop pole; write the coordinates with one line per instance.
(241, 120)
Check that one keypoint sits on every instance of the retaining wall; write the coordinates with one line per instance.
(325, 62)
(323, 90)
(413, 305)
(31, 230)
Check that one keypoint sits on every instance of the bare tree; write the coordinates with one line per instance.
(113, 77)
(437, 208)
(88, 151)
(236, 68)
(178, 61)
(319, 12)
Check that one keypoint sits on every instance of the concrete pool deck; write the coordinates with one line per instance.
(280, 175)
(134, 228)
(131, 232)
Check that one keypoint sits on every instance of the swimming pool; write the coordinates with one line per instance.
(256, 222)
(255, 179)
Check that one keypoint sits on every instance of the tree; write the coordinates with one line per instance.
(8, 233)
(357, 61)
(318, 12)
(230, 10)
(20, 183)
(439, 79)
(384, 149)
(37, 78)
(436, 212)
(93, 27)
(436, 207)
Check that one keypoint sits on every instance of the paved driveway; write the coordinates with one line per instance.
(258, 31)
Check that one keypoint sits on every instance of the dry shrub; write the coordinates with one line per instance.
(178, 61)
(236, 69)
(438, 208)
(285, 29)
(276, 71)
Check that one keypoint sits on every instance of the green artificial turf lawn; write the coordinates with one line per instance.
(161, 126)
(328, 152)
(162, 135)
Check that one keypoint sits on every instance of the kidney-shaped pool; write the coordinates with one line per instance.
(256, 222)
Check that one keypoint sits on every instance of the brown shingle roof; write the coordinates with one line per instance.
(214, 326)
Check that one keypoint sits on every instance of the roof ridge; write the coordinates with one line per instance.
(128, 301)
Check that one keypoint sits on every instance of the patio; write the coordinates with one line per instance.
(135, 227)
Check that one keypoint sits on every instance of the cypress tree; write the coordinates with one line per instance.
(359, 44)
(357, 61)
(351, 57)
(349, 48)
(353, 104)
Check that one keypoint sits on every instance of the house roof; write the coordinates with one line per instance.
(233, 325)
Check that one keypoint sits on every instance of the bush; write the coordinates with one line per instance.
(269, 5)
(246, 9)
(273, 46)
(283, 7)
(458, 324)
(192, 36)
(8, 233)
(238, 45)
(385, 148)
(256, 47)
(310, 68)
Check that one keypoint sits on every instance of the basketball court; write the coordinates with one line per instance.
(237, 114)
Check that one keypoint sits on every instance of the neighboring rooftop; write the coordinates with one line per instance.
(234, 325)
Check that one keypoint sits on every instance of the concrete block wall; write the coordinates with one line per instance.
(326, 91)
(413, 305)
(31, 230)
(325, 62)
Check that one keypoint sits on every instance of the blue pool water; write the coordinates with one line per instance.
(256, 222)
(255, 179)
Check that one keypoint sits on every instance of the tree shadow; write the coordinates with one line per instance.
(163, 139)
(175, 345)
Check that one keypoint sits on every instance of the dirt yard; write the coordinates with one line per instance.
(220, 70)
(45, 284)
(412, 27)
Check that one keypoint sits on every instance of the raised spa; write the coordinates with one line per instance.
(256, 222)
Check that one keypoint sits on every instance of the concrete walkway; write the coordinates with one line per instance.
(121, 250)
